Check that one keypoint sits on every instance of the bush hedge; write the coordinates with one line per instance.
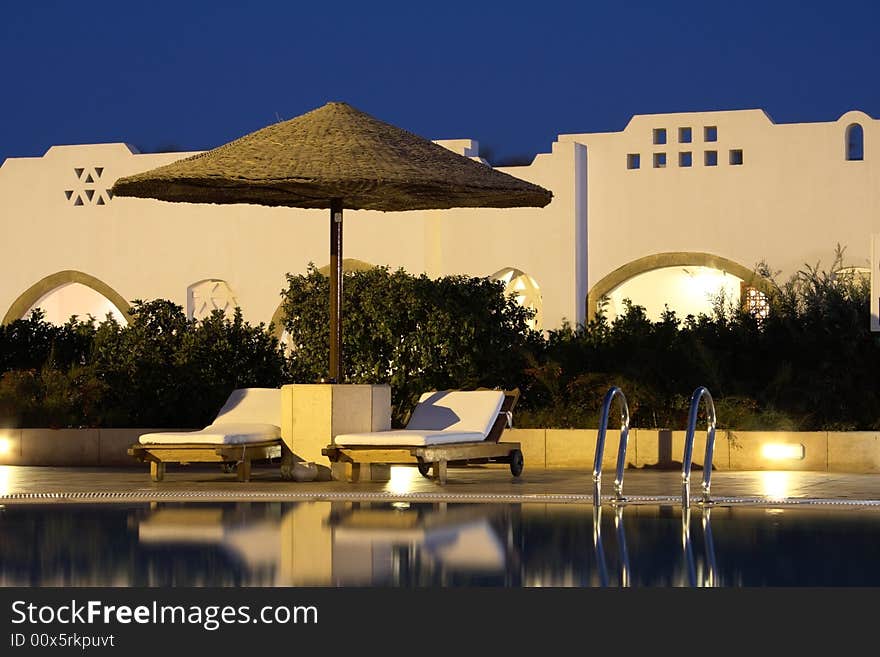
(161, 370)
(809, 364)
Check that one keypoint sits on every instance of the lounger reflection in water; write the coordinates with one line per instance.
(255, 543)
(448, 427)
(248, 427)
(367, 545)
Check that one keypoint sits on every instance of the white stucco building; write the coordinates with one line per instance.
(667, 211)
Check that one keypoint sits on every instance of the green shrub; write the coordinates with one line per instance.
(160, 370)
(412, 332)
(810, 364)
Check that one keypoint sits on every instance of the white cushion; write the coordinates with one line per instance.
(408, 437)
(252, 405)
(440, 418)
(457, 410)
(216, 434)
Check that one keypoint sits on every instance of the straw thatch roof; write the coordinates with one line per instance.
(335, 151)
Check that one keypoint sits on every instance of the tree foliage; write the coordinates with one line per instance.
(412, 332)
(160, 370)
(809, 364)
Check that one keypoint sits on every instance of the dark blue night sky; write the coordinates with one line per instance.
(513, 75)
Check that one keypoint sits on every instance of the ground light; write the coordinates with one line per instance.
(783, 451)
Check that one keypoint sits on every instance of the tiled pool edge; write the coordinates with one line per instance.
(118, 497)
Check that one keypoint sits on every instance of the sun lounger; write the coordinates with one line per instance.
(446, 428)
(247, 428)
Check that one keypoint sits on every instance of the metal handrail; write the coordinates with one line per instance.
(600, 444)
(699, 394)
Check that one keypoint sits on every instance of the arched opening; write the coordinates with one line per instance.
(855, 142)
(688, 283)
(68, 293)
(526, 291)
(348, 265)
(277, 327)
(206, 296)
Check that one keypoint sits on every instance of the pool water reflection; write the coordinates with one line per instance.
(424, 545)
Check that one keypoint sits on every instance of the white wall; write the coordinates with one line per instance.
(145, 249)
(791, 201)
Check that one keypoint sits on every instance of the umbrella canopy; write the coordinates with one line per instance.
(334, 157)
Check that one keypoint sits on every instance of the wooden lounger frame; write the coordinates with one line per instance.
(353, 463)
(158, 454)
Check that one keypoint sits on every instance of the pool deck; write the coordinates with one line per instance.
(42, 485)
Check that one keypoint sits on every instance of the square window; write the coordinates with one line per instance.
(684, 135)
(659, 160)
(659, 135)
(685, 159)
(736, 156)
(633, 161)
(710, 133)
(710, 158)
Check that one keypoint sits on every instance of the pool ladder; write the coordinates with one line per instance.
(700, 394)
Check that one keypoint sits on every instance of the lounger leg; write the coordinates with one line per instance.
(440, 471)
(157, 470)
(244, 470)
(378, 472)
(340, 471)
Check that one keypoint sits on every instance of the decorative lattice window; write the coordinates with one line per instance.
(89, 188)
(755, 302)
(526, 291)
(205, 297)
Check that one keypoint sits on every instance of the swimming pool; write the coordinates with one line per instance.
(410, 544)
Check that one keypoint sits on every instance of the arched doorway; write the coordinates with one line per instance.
(686, 282)
(67, 293)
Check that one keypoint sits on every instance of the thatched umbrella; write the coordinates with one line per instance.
(334, 157)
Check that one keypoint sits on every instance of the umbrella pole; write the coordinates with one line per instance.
(336, 290)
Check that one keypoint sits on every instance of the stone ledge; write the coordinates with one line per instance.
(823, 451)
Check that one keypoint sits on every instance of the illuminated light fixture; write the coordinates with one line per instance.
(783, 451)
(5, 447)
